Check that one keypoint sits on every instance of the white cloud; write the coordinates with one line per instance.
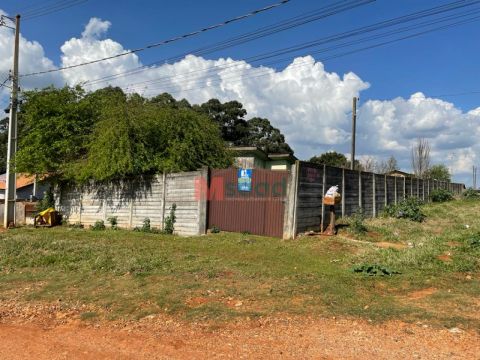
(95, 28)
(310, 105)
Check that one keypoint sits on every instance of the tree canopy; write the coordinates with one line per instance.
(331, 158)
(439, 172)
(108, 135)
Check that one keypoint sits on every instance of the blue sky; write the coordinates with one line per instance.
(443, 62)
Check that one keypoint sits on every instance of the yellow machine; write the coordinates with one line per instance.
(48, 218)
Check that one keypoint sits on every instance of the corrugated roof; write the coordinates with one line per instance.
(22, 181)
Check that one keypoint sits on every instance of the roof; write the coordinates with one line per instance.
(22, 181)
(255, 151)
(398, 172)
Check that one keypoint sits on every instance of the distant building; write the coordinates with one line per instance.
(251, 157)
(399, 173)
(27, 187)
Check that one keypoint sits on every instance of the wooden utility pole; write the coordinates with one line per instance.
(354, 125)
(11, 183)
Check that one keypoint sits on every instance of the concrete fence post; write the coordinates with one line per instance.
(360, 200)
(385, 189)
(164, 197)
(404, 188)
(130, 215)
(423, 189)
(324, 185)
(290, 220)
(81, 208)
(395, 189)
(202, 202)
(343, 192)
(374, 200)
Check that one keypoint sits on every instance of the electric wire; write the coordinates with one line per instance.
(359, 31)
(322, 41)
(53, 9)
(164, 42)
(275, 28)
(268, 71)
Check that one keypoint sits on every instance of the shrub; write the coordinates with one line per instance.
(170, 220)
(215, 229)
(99, 225)
(410, 208)
(113, 221)
(356, 223)
(48, 201)
(471, 193)
(441, 195)
(146, 225)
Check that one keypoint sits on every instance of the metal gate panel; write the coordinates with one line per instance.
(259, 211)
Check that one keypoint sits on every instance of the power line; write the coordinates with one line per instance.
(457, 94)
(62, 5)
(164, 42)
(275, 28)
(303, 46)
(324, 41)
(267, 71)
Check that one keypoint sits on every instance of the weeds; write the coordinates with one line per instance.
(409, 208)
(113, 221)
(441, 195)
(170, 220)
(356, 223)
(98, 226)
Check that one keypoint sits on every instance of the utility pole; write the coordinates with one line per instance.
(354, 125)
(474, 182)
(11, 185)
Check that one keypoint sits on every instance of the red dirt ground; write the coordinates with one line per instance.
(285, 337)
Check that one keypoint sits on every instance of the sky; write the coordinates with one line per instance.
(420, 87)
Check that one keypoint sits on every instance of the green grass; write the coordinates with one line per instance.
(125, 274)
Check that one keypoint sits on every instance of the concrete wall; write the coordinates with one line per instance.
(371, 192)
(131, 202)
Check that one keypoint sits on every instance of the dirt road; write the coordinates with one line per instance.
(285, 338)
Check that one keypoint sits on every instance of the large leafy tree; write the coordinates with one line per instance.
(330, 158)
(262, 134)
(54, 128)
(108, 135)
(439, 172)
(229, 117)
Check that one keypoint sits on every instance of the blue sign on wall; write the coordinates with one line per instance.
(244, 179)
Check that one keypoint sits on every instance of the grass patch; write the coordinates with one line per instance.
(222, 276)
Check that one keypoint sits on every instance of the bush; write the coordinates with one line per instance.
(170, 220)
(410, 208)
(441, 195)
(113, 221)
(215, 229)
(48, 201)
(356, 225)
(99, 225)
(471, 193)
(146, 225)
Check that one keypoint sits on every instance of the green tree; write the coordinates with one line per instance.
(134, 137)
(439, 172)
(262, 134)
(54, 127)
(229, 117)
(330, 158)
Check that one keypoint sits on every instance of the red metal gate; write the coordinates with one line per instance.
(259, 211)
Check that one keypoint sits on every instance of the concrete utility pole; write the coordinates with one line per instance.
(474, 182)
(11, 185)
(354, 125)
